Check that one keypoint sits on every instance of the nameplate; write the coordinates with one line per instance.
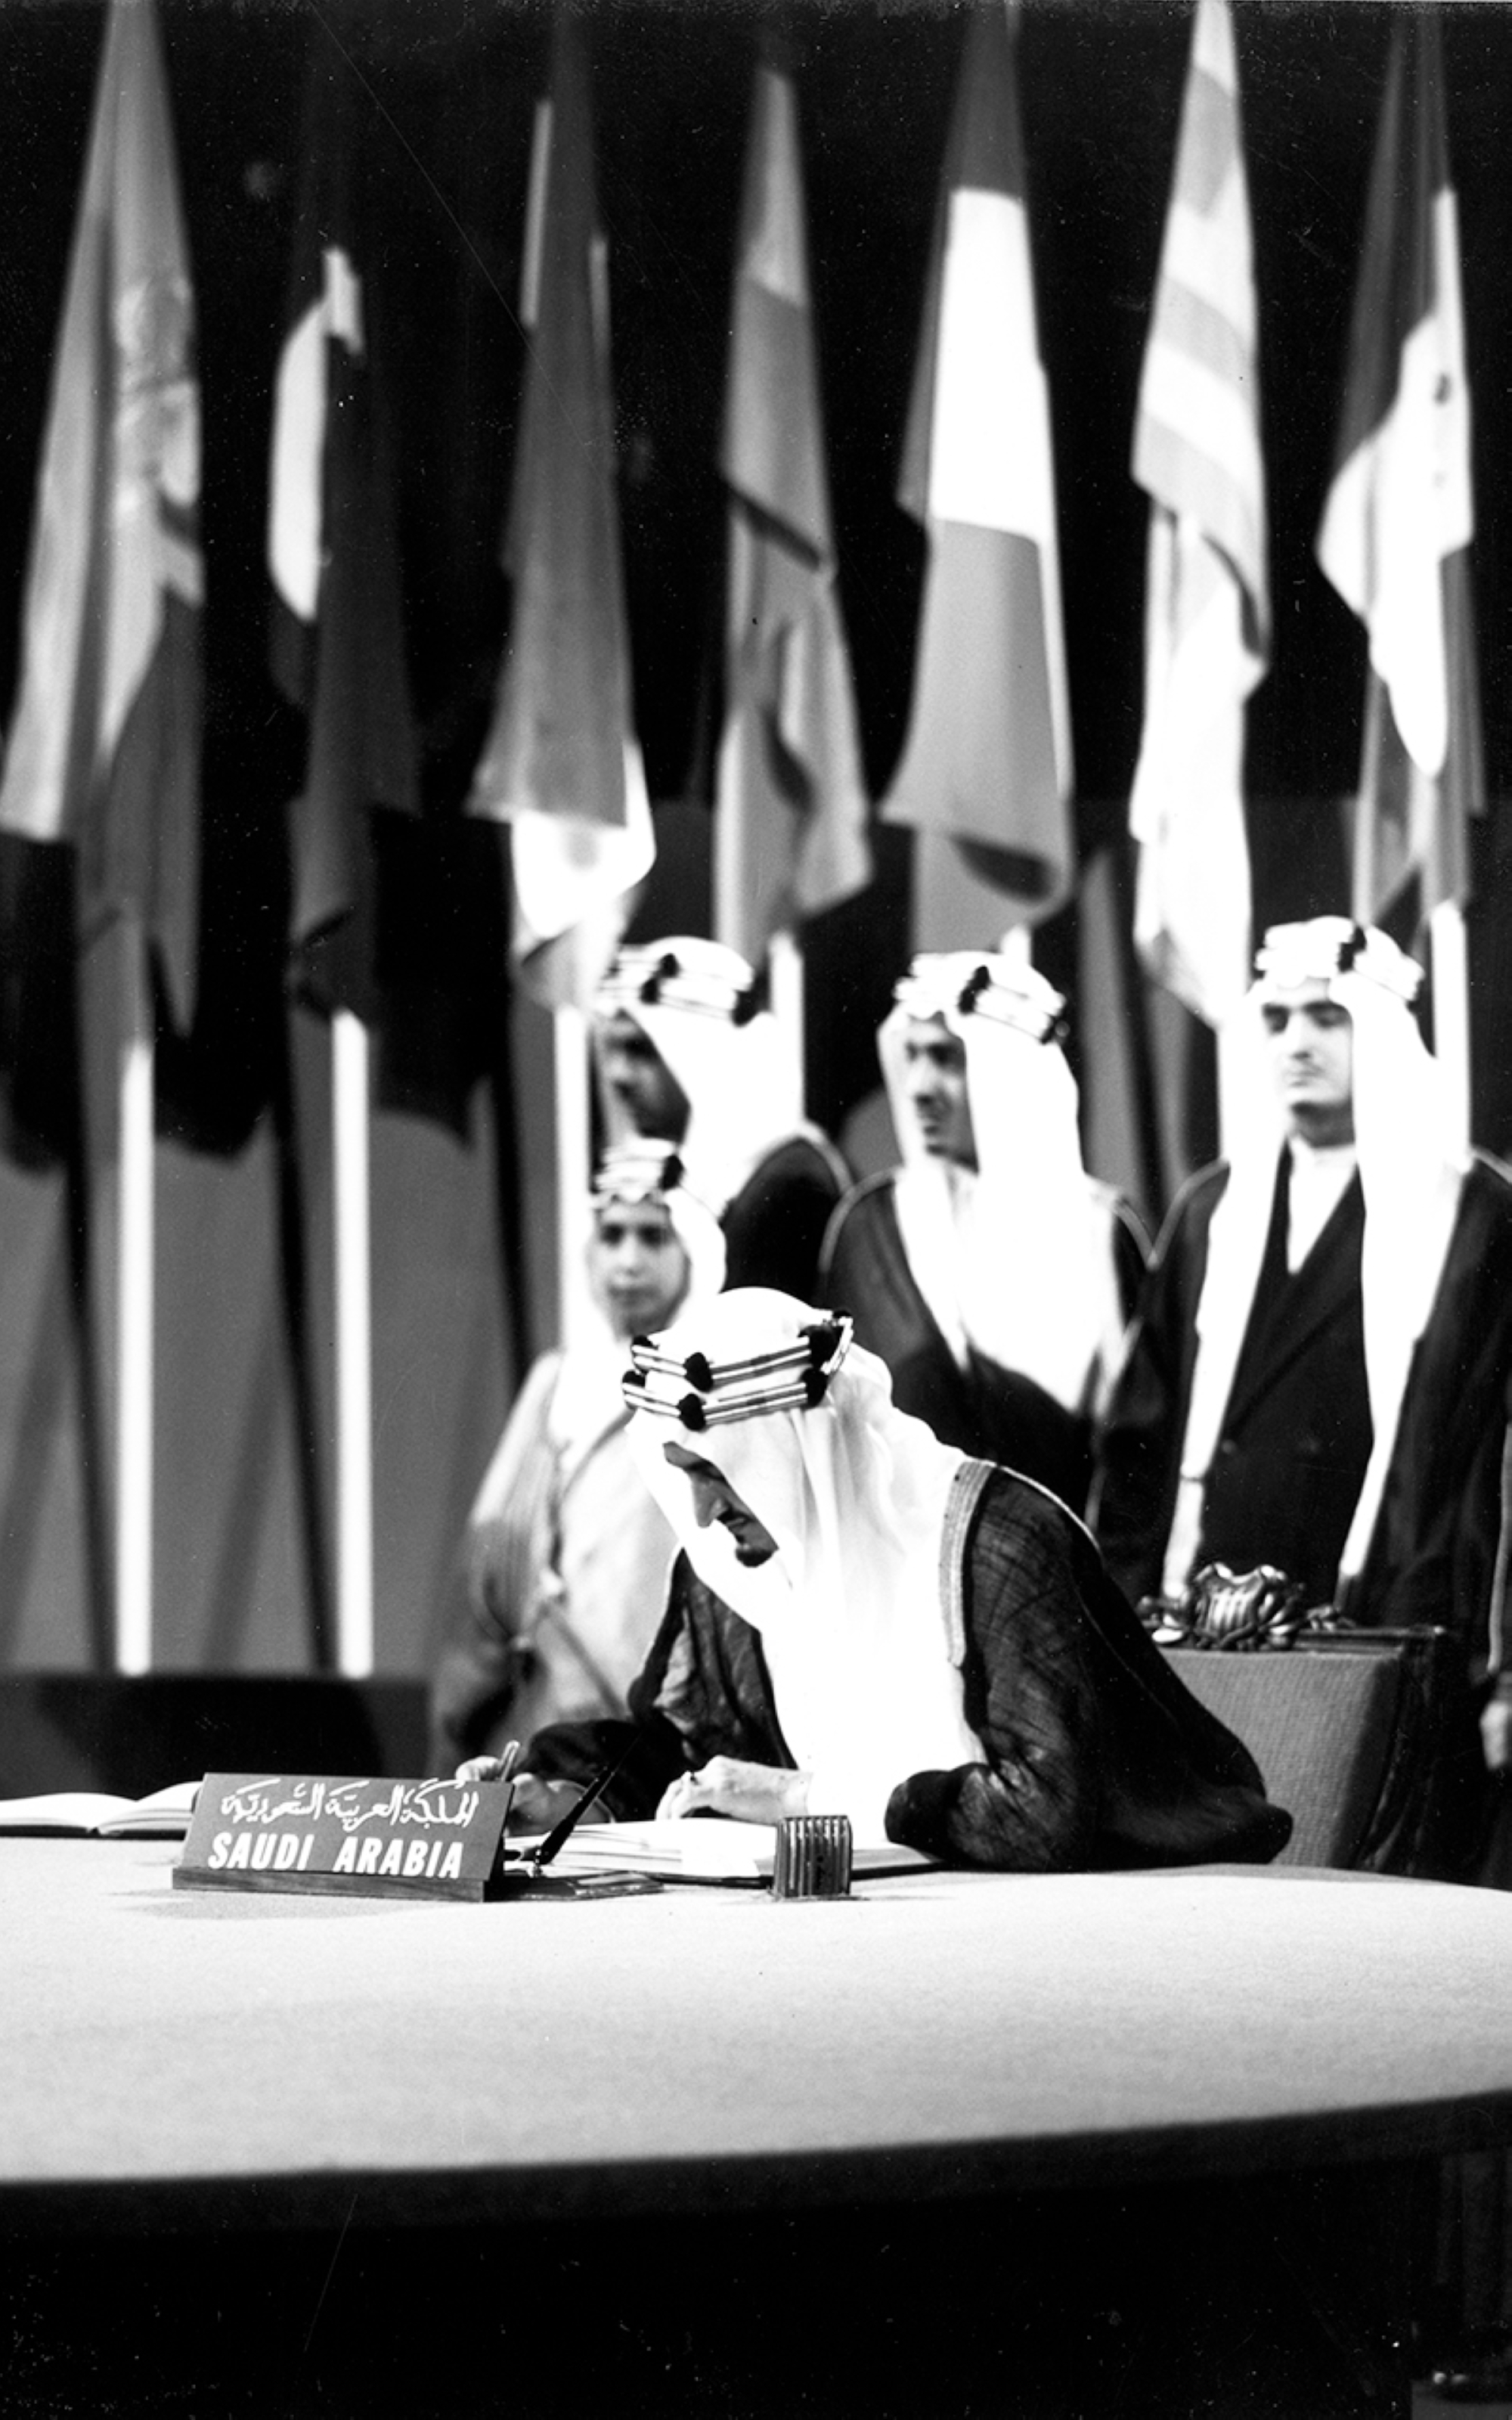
(308, 1832)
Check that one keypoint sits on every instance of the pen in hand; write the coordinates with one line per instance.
(562, 1831)
(490, 1768)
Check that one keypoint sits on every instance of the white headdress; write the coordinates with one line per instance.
(1016, 1258)
(801, 1422)
(1409, 1173)
(643, 1169)
(587, 1399)
(696, 1002)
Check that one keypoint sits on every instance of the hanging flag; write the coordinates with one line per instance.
(338, 647)
(987, 759)
(1196, 452)
(791, 813)
(560, 764)
(1147, 1068)
(105, 751)
(1399, 519)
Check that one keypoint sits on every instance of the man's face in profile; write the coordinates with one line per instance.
(1311, 1043)
(640, 1081)
(715, 1499)
(935, 1078)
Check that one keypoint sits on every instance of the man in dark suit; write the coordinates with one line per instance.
(1318, 1376)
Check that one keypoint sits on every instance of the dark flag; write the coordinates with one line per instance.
(338, 637)
(1399, 517)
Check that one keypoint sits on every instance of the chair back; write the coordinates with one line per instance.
(1361, 1734)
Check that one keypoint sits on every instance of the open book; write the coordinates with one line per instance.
(699, 1849)
(161, 1816)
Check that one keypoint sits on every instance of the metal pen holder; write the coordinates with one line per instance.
(814, 1858)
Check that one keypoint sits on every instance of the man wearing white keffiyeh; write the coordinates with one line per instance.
(684, 1049)
(863, 1621)
(1319, 1374)
(989, 1271)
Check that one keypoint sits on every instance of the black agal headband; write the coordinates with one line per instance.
(701, 1393)
(650, 977)
(638, 1169)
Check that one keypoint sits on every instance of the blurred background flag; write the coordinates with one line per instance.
(105, 746)
(987, 760)
(105, 751)
(1196, 452)
(1399, 518)
(338, 644)
(790, 817)
(338, 652)
(560, 764)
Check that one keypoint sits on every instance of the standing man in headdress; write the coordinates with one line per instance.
(684, 1049)
(1319, 1374)
(989, 1272)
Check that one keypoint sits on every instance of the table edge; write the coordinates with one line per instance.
(752, 2183)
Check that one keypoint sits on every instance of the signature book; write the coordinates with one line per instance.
(163, 1815)
(699, 1849)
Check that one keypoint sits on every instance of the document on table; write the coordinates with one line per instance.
(698, 1849)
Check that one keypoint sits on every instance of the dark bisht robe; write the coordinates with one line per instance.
(1094, 1754)
(982, 1409)
(775, 1225)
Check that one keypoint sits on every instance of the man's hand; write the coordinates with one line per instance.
(753, 1793)
(536, 1804)
(1496, 1734)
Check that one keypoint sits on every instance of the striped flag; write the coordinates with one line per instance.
(560, 764)
(338, 648)
(105, 746)
(1196, 452)
(987, 760)
(791, 821)
(1399, 519)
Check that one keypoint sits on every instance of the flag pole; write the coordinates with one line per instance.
(350, 1191)
(1451, 1012)
(569, 1037)
(784, 966)
(133, 1314)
